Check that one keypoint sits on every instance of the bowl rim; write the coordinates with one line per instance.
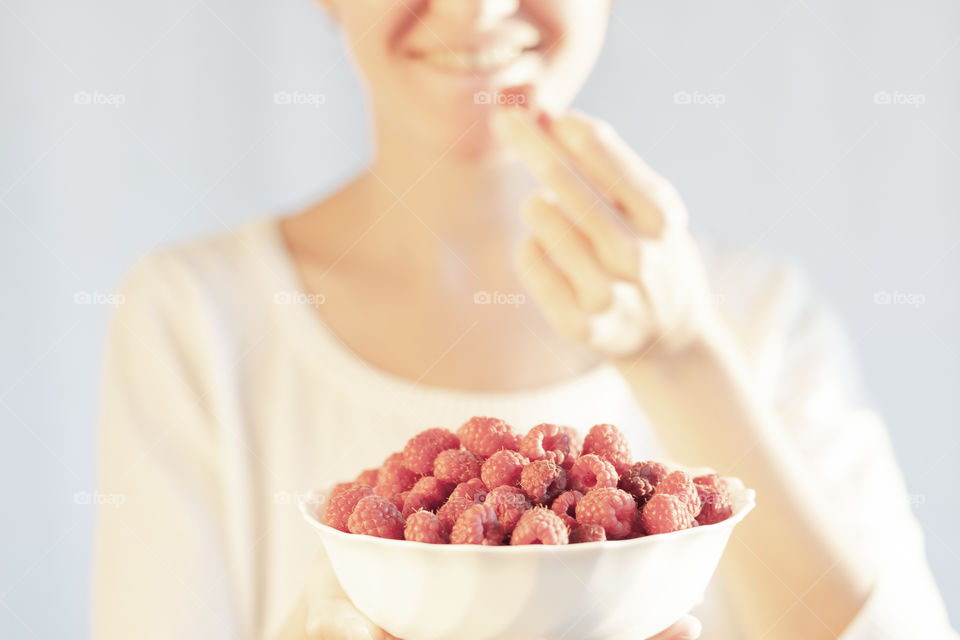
(742, 500)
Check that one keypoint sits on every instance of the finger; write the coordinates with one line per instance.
(570, 250)
(686, 628)
(551, 290)
(549, 163)
(648, 199)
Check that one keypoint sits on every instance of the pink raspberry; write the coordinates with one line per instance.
(485, 436)
(376, 516)
(422, 449)
(503, 468)
(592, 472)
(576, 443)
(400, 499)
(587, 533)
(423, 526)
(456, 466)
(547, 442)
(393, 477)
(428, 493)
(664, 513)
(464, 495)
(543, 480)
(477, 525)
(680, 484)
(565, 506)
(342, 501)
(509, 503)
(714, 499)
(612, 509)
(368, 477)
(539, 526)
(608, 442)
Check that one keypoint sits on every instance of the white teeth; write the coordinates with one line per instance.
(483, 60)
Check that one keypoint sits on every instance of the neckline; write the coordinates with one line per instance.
(356, 375)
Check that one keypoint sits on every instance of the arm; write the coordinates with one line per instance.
(166, 560)
(608, 217)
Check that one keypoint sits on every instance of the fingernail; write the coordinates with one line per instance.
(693, 628)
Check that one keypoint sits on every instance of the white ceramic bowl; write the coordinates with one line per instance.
(629, 589)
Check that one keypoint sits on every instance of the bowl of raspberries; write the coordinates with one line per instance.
(490, 533)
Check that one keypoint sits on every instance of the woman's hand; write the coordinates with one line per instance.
(610, 260)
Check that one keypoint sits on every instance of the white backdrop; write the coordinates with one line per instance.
(825, 131)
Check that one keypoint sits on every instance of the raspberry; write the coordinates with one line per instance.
(543, 480)
(423, 526)
(376, 516)
(653, 472)
(464, 495)
(393, 477)
(608, 442)
(503, 468)
(485, 436)
(680, 484)
(456, 466)
(368, 477)
(428, 493)
(576, 443)
(343, 499)
(612, 509)
(714, 500)
(422, 449)
(587, 533)
(509, 503)
(636, 485)
(400, 499)
(712, 480)
(540, 526)
(477, 525)
(565, 506)
(547, 442)
(592, 472)
(664, 513)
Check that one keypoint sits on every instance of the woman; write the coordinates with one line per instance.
(294, 352)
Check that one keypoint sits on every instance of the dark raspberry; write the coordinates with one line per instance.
(587, 533)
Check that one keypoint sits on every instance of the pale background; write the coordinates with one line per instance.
(785, 145)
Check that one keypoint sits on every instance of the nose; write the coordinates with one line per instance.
(480, 12)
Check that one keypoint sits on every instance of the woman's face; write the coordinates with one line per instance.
(432, 67)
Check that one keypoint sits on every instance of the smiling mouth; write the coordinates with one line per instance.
(477, 60)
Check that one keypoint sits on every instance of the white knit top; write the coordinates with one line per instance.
(226, 398)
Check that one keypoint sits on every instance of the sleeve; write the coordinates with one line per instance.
(851, 461)
(162, 557)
